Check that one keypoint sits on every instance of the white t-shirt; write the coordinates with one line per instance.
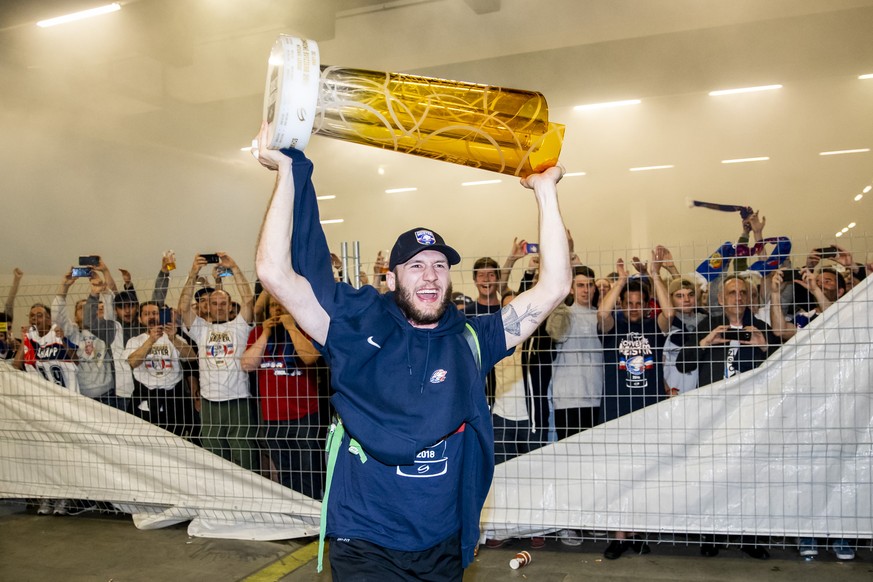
(220, 347)
(577, 370)
(161, 369)
(509, 389)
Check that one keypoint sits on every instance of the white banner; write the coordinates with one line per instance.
(785, 449)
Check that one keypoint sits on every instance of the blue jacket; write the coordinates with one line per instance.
(383, 386)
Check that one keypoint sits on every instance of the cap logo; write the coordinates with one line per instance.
(425, 237)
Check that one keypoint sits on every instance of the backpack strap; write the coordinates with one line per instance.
(473, 342)
(334, 442)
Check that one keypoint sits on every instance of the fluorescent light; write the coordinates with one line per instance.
(326, 197)
(867, 189)
(858, 197)
(114, 7)
(744, 90)
(246, 149)
(398, 190)
(743, 160)
(647, 168)
(571, 174)
(607, 105)
(867, 76)
(852, 225)
(381, 171)
(839, 234)
(332, 221)
(844, 230)
(839, 152)
(481, 183)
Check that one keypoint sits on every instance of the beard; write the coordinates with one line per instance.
(405, 301)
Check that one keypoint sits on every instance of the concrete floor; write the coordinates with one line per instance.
(97, 547)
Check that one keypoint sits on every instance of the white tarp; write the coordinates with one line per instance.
(786, 449)
(60, 445)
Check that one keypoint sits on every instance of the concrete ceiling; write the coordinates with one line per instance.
(121, 135)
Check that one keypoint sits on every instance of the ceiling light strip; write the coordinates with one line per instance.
(572, 174)
(326, 197)
(481, 183)
(399, 190)
(114, 7)
(744, 90)
(840, 152)
(744, 160)
(607, 105)
(867, 76)
(332, 221)
(647, 168)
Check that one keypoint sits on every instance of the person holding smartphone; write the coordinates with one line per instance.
(726, 343)
(730, 341)
(228, 425)
(283, 360)
(160, 395)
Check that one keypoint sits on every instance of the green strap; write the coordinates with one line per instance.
(335, 439)
(334, 442)
(473, 342)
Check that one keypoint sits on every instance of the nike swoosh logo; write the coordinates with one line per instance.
(372, 343)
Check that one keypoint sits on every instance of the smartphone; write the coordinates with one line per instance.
(827, 252)
(531, 248)
(211, 258)
(89, 261)
(737, 334)
(81, 271)
(165, 315)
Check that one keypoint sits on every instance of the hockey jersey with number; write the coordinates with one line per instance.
(51, 356)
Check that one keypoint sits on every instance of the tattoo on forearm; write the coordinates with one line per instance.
(512, 320)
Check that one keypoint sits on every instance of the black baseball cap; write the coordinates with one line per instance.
(201, 292)
(412, 242)
(125, 298)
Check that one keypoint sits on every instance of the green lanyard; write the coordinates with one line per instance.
(334, 442)
(335, 439)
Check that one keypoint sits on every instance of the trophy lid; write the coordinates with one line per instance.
(291, 94)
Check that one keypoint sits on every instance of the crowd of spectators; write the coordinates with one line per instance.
(234, 374)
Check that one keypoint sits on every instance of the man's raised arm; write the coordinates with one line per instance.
(522, 316)
(273, 260)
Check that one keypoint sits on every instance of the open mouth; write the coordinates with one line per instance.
(427, 295)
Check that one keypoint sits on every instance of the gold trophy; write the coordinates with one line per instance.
(494, 128)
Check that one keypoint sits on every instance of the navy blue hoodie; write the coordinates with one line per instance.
(400, 389)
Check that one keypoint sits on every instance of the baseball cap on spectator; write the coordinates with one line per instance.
(461, 300)
(201, 292)
(830, 265)
(682, 282)
(125, 298)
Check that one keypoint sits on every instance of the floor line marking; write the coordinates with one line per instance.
(285, 565)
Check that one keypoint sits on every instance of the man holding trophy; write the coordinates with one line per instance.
(411, 455)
